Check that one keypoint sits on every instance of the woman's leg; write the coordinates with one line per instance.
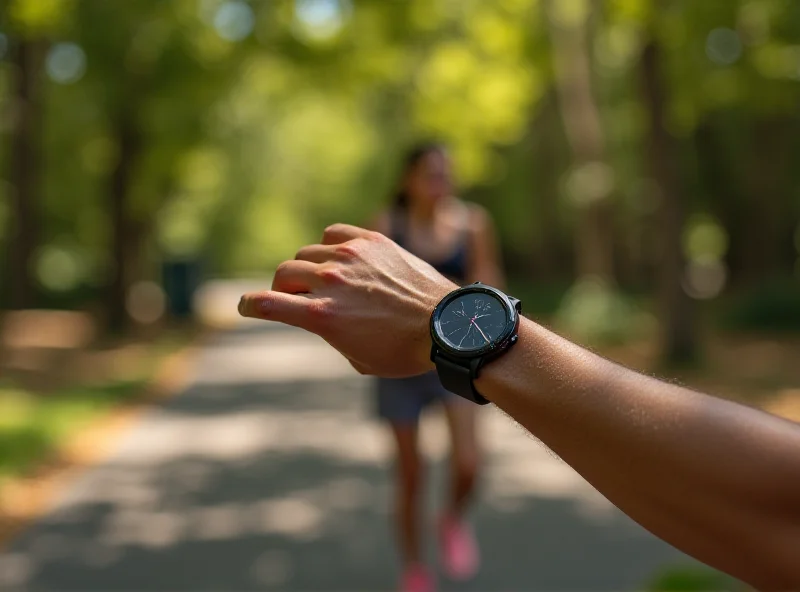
(464, 460)
(408, 492)
(459, 549)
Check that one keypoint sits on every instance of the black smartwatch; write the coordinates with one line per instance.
(470, 327)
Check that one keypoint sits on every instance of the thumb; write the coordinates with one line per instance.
(359, 367)
(291, 309)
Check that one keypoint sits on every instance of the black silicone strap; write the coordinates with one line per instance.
(458, 379)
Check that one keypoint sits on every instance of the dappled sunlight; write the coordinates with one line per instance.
(229, 436)
(56, 329)
(283, 464)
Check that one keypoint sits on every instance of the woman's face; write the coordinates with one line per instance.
(430, 179)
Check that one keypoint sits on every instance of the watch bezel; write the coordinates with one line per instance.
(497, 345)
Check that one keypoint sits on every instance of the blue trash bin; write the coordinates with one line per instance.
(181, 279)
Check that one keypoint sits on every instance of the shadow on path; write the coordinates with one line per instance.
(273, 484)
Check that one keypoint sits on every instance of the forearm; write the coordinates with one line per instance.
(718, 480)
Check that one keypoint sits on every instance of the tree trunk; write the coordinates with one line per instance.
(25, 165)
(725, 190)
(546, 255)
(766, 180)
(123, 228)
(678, 340)
(579, 111)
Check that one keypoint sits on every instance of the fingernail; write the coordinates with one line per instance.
(241, 306)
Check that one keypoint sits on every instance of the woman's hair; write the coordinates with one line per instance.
(412, 158)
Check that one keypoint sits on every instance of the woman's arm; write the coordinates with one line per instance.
(484, 255)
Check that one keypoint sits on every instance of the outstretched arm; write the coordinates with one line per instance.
(718, 480)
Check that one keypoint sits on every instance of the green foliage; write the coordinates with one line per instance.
(773, 305)
(32, 426)
(260, 122)
(596, 313)
(540, 301)
(690, 579)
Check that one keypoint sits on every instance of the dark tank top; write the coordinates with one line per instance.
(453, 267)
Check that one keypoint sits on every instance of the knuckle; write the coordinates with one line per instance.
(331, 275)
(283, 268)
(320, 311)
(376, 236)
(349, 250)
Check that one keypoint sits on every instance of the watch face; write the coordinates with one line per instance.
(473, 320)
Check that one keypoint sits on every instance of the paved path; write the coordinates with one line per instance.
(269, 472)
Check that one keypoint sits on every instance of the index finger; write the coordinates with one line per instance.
(291, 309)
(337, 234)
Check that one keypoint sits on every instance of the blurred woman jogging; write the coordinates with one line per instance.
(457, 239)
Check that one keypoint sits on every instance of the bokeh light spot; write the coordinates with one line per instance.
(320, 20)
(66, 63)
(705, 239)
(723, 46)
(705, 279)
(589, 183)
(146, 302)
(58, 269)
(234, 21)
(569, 13)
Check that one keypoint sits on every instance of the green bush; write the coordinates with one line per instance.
(598, 313)
(539, 301)
(690, 579)
(770, 306)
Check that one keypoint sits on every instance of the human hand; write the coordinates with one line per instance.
(363, 294)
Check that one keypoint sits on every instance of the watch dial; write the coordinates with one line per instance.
(472, 321)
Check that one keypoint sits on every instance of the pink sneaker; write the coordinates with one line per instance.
(417, 578)
(458, 550)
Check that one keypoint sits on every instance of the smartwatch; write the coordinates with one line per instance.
(470, 327)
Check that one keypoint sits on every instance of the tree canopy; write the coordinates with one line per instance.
(233, 130)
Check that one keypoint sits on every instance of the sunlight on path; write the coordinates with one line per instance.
(272, 471)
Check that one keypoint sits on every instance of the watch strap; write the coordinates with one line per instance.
(458, 379)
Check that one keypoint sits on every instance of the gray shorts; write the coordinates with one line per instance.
(401, 400)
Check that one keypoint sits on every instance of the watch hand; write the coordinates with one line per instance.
(481, 330)
(465, 335)
(454, 331)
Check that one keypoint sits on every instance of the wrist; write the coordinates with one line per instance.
(424, 341)
(498, 377)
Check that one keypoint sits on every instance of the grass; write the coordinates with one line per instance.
(34, 424)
